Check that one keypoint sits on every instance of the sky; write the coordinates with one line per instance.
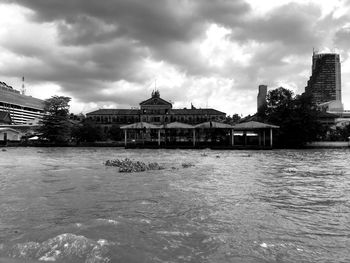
(214, 53)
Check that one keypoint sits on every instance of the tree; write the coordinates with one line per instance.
(55, 124)
(232, 119)
(87, 132)
(297, 117)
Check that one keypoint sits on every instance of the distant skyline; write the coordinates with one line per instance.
(113, 53)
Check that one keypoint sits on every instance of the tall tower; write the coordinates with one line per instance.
(23, 90)
(262, 96)
(325, 82)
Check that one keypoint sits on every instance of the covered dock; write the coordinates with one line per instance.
(254, 133)
(204, 135)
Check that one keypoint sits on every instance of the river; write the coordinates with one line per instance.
(65, 205)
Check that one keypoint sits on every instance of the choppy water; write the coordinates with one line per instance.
(64, 205)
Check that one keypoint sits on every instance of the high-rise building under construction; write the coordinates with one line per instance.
(325, 82)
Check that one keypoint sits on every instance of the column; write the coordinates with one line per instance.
(264, 138)
(232, 137)
(245, 138)
(271, 137)
(259, 136)
(194, 137)
(158, 137)
(125, 136)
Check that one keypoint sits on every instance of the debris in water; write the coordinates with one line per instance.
(186, 165)
(129, 166)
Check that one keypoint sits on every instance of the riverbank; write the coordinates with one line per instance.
(318, 144)
(328, 144)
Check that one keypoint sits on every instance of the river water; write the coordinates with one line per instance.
(64, 205)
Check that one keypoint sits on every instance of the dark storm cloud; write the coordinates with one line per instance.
(107, 62)
(163, 20)
(103, 42)
(293, 25)
(165, 29)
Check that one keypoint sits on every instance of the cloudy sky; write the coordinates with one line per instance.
(215, 53)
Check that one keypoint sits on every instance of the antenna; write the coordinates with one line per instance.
(23, 90)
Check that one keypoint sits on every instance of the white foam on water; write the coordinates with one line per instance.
(174, 233)
(62, 246)
(109, 221)
(103, 242)
(264, 245)
(291, 170)
(145, 221)
(50, 256)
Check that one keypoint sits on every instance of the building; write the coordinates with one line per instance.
(325, 82)
(154, 110)
(8, 134)
(262, 96)
(22, 108)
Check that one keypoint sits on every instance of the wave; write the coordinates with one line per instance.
(63, 248)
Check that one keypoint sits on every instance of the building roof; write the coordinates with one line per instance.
(196, 112)
(140, 125)
(214, 125)
(11, 97)
(155, 101)
(252, 125)
(171, 111)
(115, 112)
(4, 129)
(178, 125)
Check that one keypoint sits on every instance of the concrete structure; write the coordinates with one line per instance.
(261, 100)
(8, 134)
(325, 82)
(21, 108)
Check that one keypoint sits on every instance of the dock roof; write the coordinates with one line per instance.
(213, 125)
(254, 125)
(140, 125)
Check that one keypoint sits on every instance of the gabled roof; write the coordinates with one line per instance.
(213, 125)
(5, 117)
(178, 125)
(155, 101)
(114, 112)
(252, 125)
(196, 112)
(8, 129)
(140, 125)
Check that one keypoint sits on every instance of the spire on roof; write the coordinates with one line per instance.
(155, 94)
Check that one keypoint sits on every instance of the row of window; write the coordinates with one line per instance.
(132, 119)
